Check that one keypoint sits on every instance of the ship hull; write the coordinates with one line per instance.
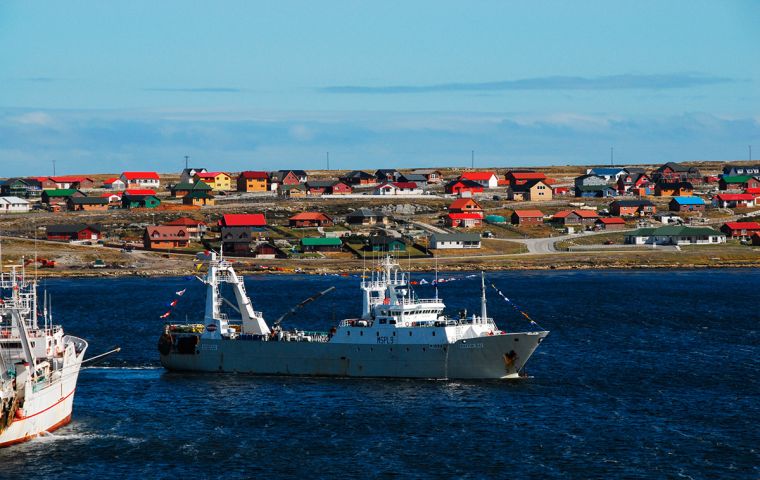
(489, 357)
(47, 409)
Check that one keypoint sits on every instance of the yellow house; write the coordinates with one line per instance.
(253, 182)
(199, 199)
(218, 181)
(532, 191)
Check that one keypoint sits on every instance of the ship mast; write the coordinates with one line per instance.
(483, 312)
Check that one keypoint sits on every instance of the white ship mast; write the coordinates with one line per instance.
(220, 271)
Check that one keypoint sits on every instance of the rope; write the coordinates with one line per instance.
(510, 303)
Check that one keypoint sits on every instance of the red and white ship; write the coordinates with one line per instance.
(39, 364)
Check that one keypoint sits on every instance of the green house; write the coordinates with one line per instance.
(386, 244)
(60, 195)
(328, 244)
(139, 201)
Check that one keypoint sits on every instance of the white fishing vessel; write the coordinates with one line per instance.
(39, 364)
(397, 335)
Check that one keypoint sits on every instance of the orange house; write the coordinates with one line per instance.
(159, 237)
(253, 182)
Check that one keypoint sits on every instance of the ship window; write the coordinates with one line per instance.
(434, 334)
(410, 334)
(348, 332)
(378, 333)
(361, 333)
(394, 334)
(392, 322)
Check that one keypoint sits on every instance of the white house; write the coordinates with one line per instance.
(141, 180)
(114, 184)
(398, 188)
(675, 235)
(188, 174)
(14, 205)
(454, 240)
(486, 179)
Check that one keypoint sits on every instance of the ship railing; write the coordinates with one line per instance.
(406, 301)
(384, 283)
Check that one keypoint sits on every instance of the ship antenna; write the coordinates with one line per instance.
(483, 312)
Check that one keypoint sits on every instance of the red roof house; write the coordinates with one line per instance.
(486, 179)
(466, 220)
(734, 200)
(464, 205)
(521, 178)
(575, 217)
(527, 217)
(310, 219)
(740, 229)
(463, 187)
(243, 220)
(140, 179)
(610, 223)
(135, 191)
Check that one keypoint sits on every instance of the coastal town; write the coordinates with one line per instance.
(683, 214)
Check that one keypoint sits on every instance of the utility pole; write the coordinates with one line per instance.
(328, 160)
(186, 158)
(472, 159)
(750, 152)
(54, 168)
(612, 156)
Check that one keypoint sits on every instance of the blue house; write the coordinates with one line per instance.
(686, 204)
(594, 191)
(609, 174)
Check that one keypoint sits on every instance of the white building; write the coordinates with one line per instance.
(398, 188)
(14, 205)
(675, 235)
(454, 240)
(141, 180)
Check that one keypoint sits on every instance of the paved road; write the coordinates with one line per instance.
(547, 244)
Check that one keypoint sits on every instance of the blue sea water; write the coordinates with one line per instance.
(646, 374)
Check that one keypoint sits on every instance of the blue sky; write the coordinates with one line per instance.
(108, 86)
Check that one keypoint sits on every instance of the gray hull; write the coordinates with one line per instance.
(491, 357)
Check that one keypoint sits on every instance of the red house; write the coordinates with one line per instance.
(464, 205)
(72, 232)
(243, 220)
(486, 179)
(527, 217)
(466, 220)
(610, 223)
(740, 229)
(521, 178)
(463, 187)
(310, 219)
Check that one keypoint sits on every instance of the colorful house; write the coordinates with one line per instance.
(632, 182)
(734, 200)
(310, 219)
(431, 176)
(382, 243)
(165, 237)
(243, 220)
(114, 183)
(14, 205)
(576, 217)
(195, 228)
(73, 232)
(530, 191)
(740, 229)
(358, 178)
(463, 188)
(463, 220)
(199, 199)
(287, 178)
(188, 174)
(632, 208)
(595, 191)
(141, 180)
(515, 178)
(321, 244)
(527, 217)
(610, 223)
(739, 182)
(59, 196)
(66, 182)
(731, 170)
(674, 189)
(686, 204)
(485, 179)
(398, 188)
(673, 172)
(365, 216)
(387, 175)
(80, 204)
(137, 200)
(21, 187)
(218, 181)
(465, 205)
(181, 189)
(250, 181)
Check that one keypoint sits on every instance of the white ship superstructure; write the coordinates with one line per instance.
(397, 335)
(39, 364)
